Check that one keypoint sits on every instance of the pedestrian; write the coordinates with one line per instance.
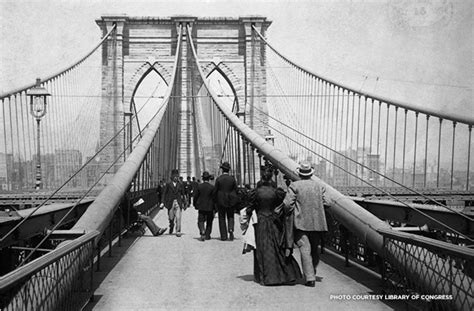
(226, 199)
(305, 199)
(188, 189)
(271, 265)
(194, 185)
(203, 201)
(132, 213)
(137, 216)
(174, 201)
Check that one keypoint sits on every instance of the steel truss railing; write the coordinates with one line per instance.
(416, 147)
(234, 134)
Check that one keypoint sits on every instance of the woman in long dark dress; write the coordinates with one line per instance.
(271, 266)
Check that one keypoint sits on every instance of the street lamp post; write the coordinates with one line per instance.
(38, 96)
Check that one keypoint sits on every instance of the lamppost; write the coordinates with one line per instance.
(38, 96)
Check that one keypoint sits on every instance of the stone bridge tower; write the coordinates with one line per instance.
(141, 44)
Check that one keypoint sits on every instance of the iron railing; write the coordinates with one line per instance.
(59, 280)
(448, 271)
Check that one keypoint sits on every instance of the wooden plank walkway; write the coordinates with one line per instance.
(183, 273)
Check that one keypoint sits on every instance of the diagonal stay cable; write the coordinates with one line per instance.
(368, 168)
(58, 224)
(70, 178)
(380, 189)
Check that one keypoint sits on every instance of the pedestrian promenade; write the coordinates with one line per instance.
(183, 273)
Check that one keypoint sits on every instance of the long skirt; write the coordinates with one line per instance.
(271, 267)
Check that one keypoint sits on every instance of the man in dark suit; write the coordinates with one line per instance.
(174, 201)
(203, 201)
(225, 193)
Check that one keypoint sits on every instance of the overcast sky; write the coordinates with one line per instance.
(420, 50)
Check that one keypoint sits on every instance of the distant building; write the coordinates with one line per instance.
(92, 172)
(373, 162)
(6, 162)
(67, 163)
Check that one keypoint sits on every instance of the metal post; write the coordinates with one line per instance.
(98, 256)
(38, 155)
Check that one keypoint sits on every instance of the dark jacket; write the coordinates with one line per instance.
(203, 197)
(225, 190)
(172, 192)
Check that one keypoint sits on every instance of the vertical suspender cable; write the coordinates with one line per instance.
(371, 124)
(363, 138)
(386, 144)
(426, 150)
(468, 157)
(357, 136)
(352, 131)
(452, 155)
(414, 148)
(395, 142)
(25, 141)
(439, 152)
(404, 146)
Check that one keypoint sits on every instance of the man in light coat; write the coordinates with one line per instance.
(305, 199)
(174, 201)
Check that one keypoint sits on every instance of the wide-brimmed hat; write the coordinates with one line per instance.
(305, 169)
(174, 172)
(225, 166)
(206, 175)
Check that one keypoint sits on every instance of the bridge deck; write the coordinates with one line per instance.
(171, 273)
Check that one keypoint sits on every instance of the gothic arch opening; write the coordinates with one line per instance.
(147, 97)
(208, 137)
(222, 85)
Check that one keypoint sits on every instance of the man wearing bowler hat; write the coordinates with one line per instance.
(203, 201)
(225, 195)
(305, 199)
(174, 200)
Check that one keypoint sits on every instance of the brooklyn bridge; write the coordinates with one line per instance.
(83, 147)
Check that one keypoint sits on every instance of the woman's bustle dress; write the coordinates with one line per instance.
(271, 267)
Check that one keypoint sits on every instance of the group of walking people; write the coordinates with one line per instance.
(285, 219)
(207, 198)
(279, 219)
(221, 198)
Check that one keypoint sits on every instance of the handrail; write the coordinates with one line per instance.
(51, 77)
(444, 247)
(468, 121)
(101, 211)
(16, 276)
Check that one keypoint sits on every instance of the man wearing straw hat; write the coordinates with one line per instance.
(305, 198)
